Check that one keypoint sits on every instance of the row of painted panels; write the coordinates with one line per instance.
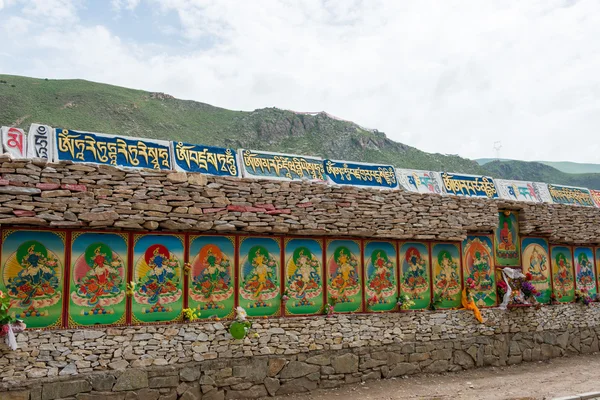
(72, 279)
(86, 147)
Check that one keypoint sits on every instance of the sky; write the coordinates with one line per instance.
(446, 76)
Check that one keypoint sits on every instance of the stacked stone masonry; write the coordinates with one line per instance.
(34, 193)
(201, 360)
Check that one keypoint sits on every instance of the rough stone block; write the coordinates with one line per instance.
(131, 379)
(56, 390)
(345, 364)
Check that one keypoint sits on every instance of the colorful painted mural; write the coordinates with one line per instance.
(536, 262)
(381, 280)
(98, 279)
(562, 274)
(158, 277)
(33, 270)
(304, 286)
(260, 276)
(518, 190)
(506, 250)
(211, 286)
(415, 275)
(447, 286)
(344, 283)
(478, 270)
(585, 270)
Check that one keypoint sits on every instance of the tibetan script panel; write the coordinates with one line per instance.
(420, 181)
(415, 279)
(570, 195)
(39, 142)
(506, 247)
(344, 281)
(518, 190)
(33, 276)
(359, 174)
(479, 269)
(381, 280)
(585, 270)
(205, 159)
(257, 164)
(158, 278)
(98, 279)
(446, 275)
(563, 281)
(14, 142)
(211, 275)
(303, 277)
(536, 263)
(469, 185)
(260, 276)
(113, 150)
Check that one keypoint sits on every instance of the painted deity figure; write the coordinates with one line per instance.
(306, 277)
(585, 274)
(159, 280)
(261, 277)
(480, 272)
(538, 265)
(37, 278)
(447, 280)
(563, 278)
(215, 276)
(345, 275)
(382, 279)
(102, 279)
(506, 238)
(415, 275)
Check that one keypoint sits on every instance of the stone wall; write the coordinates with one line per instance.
(201, 360)
(86, 196)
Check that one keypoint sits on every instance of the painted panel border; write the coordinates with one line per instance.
(344, 275)
(585, 270)
(380, 275)
(563, 282)
(415, 273)
(536, 261)
(446, 266)
(478, 269)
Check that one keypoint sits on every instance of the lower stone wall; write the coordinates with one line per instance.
(201, 361)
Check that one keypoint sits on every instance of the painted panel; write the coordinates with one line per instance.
(344, 282)
(446, 271)
(260, 276)
(469, 185)
(98, 279)
(585, 270)
(157, 273)
(597, 258)
(211, 278)
(542, 189)
(39, 142)
(360, 174)
(479, 269)
(14, 141)
(204, 159)
(518, 190)
(381, 280)
(33, 272)
(570, 195)
(101, 148)
(595, 197)
(420, 181)
(562, 274)
(303, 276)
(506, 247)
(262, 164)
(415, 281)
(536, 262)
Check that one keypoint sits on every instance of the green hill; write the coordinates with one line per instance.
(563, 166)
(83, 105)
(95, 107)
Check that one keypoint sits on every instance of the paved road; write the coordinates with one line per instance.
(565, 376)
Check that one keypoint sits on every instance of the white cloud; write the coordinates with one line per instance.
(125, 4)
(449, 77)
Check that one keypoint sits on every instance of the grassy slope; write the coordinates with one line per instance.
(96, 107)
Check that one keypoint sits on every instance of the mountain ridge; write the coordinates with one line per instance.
(89, 106)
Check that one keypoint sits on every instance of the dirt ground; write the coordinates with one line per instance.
(537, 380)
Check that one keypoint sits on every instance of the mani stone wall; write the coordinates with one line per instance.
(201, 361)
(33, 193)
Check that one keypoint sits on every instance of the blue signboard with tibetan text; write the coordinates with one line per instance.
(205, 159)
(358, 174)
(469, 185)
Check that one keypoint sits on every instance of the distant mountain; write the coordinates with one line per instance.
(563, 166)
(95, 107)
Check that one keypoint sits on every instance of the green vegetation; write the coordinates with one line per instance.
(95, 107)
